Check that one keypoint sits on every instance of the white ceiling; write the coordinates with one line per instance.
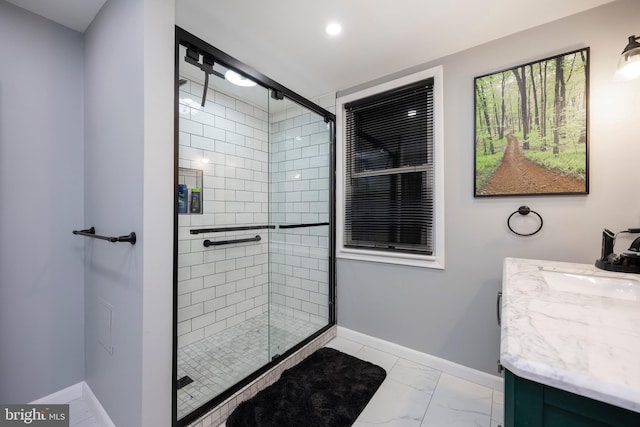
(285, 39)
(75, 14)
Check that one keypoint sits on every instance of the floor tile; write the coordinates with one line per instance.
(458, 402)
(411, 395)
(385, 360)
(346, 346)
(419, 377)
(497, 409)
(394, 405)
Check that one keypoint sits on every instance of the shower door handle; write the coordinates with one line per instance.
(208, 242)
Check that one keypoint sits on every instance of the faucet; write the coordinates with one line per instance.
(635, 246)
(608, 241)
(628, 262)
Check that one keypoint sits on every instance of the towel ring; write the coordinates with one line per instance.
(524, 210)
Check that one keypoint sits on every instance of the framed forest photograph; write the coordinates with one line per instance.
(531, 128)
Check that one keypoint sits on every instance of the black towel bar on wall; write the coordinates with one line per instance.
(91, 232)
(208, 242)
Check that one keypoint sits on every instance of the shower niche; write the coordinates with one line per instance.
(254, 271)
(190, 194)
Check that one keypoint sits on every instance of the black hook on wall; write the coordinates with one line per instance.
(524, 210)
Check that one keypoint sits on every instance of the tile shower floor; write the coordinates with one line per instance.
(221, 360)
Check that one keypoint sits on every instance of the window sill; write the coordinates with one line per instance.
(412, 260)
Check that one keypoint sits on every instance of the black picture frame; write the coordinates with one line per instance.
(532, 128)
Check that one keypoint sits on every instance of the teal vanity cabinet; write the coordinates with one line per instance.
(570, 345)
(531, 404)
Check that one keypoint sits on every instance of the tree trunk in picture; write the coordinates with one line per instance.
(502, 106)
(583, 131)
(543, 105)
(485, 112)
(496, 113)
(559, 105)
(524, 116)
(529, 96)
(513, 120)
(536, 113)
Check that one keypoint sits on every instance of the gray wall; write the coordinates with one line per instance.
(129, 63)
(42, 193)
(114, 132)
(103, 104)
(451, 313)
(158, 205)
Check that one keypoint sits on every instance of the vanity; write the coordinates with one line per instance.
(570, 345)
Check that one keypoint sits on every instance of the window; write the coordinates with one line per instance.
(390, 172)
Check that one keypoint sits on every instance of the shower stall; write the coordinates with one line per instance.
(254, 268)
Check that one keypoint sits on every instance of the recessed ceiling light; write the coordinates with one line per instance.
(333, 29)
(238, 80)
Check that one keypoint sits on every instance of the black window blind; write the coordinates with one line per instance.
(389, 170)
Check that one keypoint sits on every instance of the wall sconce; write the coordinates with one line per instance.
(629, 62)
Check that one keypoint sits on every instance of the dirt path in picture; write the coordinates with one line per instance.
(518, 175)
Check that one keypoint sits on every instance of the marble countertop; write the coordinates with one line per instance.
(577, 342)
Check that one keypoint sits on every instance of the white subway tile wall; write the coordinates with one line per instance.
(300, 142)
(221, 286)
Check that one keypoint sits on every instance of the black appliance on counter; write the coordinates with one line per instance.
(626, 262)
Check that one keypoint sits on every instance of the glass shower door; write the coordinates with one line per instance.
(253, 226)
(299, 210)
(223, 239)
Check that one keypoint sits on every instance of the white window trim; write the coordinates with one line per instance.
(431, 261)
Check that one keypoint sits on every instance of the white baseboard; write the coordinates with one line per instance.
(96, 408)
(65, 395)
(492, 381)
(77, 391)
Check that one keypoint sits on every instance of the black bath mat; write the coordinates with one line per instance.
(327, 389)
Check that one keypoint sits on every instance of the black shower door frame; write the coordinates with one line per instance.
(186, 39)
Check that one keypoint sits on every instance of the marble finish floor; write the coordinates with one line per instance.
(417, 395)
(412, 395)
(421, 396)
